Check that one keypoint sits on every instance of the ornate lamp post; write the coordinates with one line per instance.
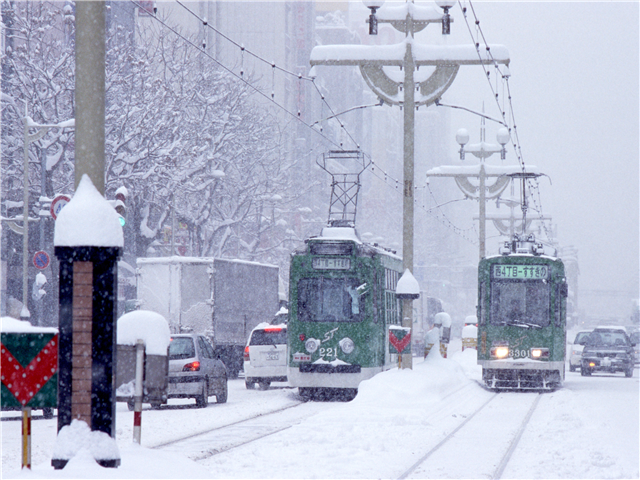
(408, 94)
(503, 174)
(482, 151)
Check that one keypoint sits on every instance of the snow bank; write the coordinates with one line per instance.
(88, 220)
(12, 325)
(82, 447)
(150, 327)
(469, 331)
(78, 437)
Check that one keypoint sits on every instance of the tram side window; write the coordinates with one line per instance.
(331, 299)
(558, 309)
(514, 303)
(392, 308)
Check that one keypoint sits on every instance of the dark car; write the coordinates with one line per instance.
(635, 339)
(608, 350)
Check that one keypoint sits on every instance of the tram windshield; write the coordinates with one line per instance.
(524, 304)
(331, 299)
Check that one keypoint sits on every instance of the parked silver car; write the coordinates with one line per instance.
(194, 370)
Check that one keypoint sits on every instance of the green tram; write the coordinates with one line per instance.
(342, 299)
(522, 318)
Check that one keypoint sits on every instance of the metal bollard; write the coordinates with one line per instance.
(137, 411)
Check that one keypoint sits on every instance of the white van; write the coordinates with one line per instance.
(265, 356)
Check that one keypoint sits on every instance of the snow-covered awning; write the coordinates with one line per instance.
(393, 55)
(474, 170)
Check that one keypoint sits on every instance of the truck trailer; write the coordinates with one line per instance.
(219, 298)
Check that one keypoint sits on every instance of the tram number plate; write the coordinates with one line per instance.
(272, 356)
(521, 272)
(332, 263)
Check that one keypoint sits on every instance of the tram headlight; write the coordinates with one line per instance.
(347, 345)
(539, 353)
(311, 345)
(500, 352)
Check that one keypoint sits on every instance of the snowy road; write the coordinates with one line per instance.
(587, 429)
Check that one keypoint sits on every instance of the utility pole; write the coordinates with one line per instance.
(408, 94)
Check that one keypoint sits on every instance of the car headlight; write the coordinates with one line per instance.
(500, 352)
(311, 345)
(539, 353)
(347, 345)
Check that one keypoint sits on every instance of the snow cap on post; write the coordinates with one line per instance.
(150, 327)
(88, 220)
(443, 319)
(407, 288)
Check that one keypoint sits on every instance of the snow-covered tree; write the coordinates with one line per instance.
(184, 134)
(37, 78)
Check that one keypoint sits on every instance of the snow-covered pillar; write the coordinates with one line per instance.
(88, 242)
(407, 290)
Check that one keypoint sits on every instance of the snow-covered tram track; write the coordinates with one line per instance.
(205, 444)
(482, 449)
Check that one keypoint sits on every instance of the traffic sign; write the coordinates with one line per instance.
(41, 260)
(30, 377)
(57, 204)
(399, 340)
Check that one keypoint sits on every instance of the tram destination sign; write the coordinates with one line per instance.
(520, 272)
(327, 263)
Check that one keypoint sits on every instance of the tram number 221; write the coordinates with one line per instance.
(331, 353)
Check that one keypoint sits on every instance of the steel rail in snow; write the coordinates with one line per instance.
(514, 443)
(221, 427)
(509, 451)
(445, 439)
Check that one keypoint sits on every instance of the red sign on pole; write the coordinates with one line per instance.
(57, 204)
(400, 340)
(24, 382)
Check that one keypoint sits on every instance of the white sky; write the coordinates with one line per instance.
(574, 85)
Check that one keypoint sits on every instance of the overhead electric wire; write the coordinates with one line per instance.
(240, 78)
(505, 79)
(296, 116)
(274, 66)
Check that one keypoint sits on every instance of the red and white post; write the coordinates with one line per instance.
(137, 411)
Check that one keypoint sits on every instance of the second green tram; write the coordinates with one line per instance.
(522, 318)
(342, 299)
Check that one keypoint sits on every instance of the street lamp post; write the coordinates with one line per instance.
(483, 151)
(503, 174)
(408, 94)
